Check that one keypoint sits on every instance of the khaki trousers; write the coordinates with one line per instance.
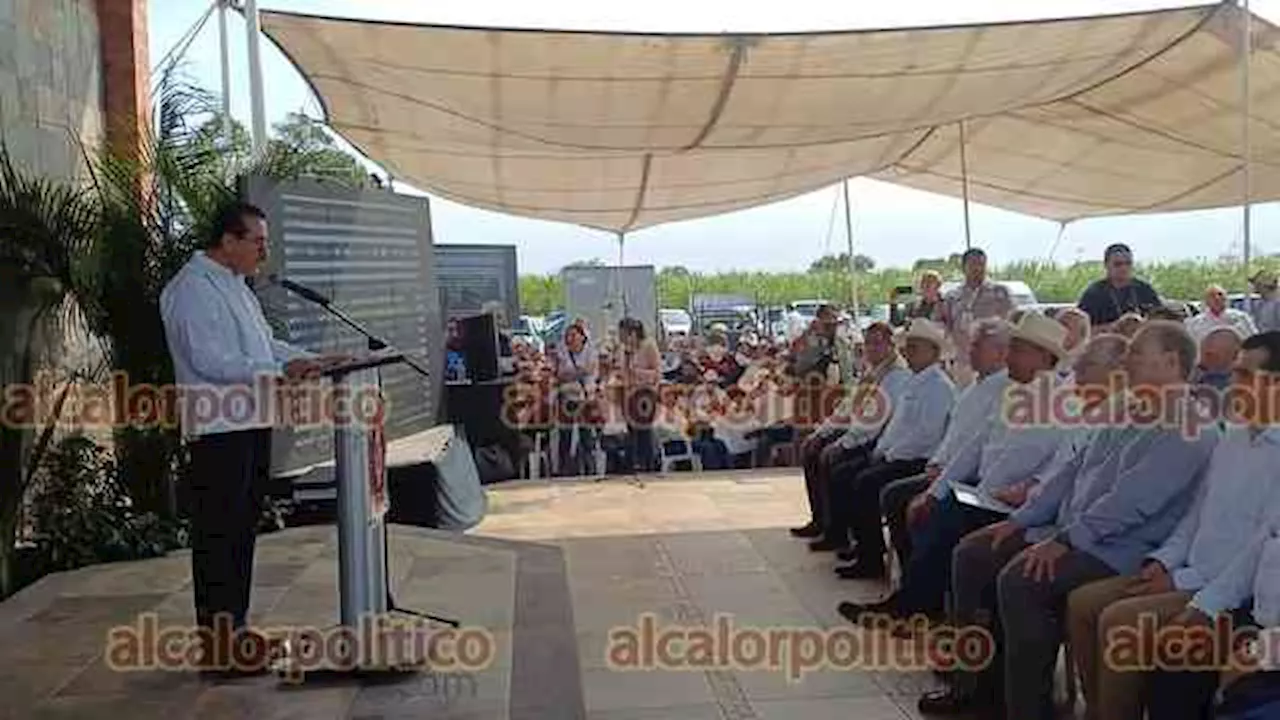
(1093, 611)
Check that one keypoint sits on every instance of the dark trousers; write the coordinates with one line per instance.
(641, 408)
(713, 453)
(815, 481)
(1186, 695)
(835, 485)
(229, 472)
(1032, 614)
(640, 448)
(927, 574)
(581, 462)
(894, 500)
(857, 503)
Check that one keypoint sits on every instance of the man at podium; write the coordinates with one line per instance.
(225, 361)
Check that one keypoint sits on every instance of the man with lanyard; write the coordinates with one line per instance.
(1106, 300)
(222, 347)
(978, 298)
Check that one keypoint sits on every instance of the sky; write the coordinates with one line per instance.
(891, 224)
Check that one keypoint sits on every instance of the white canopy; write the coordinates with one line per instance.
(1063, 119)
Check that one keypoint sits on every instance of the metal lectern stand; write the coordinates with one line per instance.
(359, 451)
(359, 454)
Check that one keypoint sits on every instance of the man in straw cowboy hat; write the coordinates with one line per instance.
(1008, 454)
(915, 429)
(1098, 517)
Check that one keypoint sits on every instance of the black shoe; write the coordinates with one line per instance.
(847, 555)
(854, 612)
(827, 545)
(861, 570)
(812, 530)
(952, 703)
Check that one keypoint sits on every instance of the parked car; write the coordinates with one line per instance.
(1019, 292)
(675, 322)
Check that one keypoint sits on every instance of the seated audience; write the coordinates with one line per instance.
(970, 422)
(1218, 350)
(1097, 378)
(847, 434)
(1094, 519)
(1217, 314)
(916, 426)
(1009, 454)
(1076, 321)
(1199, 571)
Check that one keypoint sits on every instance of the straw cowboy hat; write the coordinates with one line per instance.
(927, 330)
(1043, 332)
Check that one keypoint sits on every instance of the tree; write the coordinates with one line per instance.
(840, 263)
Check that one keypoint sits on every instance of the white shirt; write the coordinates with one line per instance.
(1201, 325)
(222, 348)
(919, 419)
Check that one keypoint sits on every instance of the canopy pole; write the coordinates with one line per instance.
(257, 103)
(964, 177)
(224, 56)
(1053, 249)
(853, 266)
(1246, 102)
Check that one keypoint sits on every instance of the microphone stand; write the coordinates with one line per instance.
(375, 344)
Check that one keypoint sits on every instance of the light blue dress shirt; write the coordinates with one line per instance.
(222, 349)
(1016, 453)
(920, 419)
(1123, 497)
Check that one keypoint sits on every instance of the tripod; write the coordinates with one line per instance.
(374, 344)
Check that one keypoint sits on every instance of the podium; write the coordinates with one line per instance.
(359, 452)
(360, 471)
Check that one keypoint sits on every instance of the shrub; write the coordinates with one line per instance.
(81, 513)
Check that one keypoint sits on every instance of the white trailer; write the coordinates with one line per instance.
(604, 295)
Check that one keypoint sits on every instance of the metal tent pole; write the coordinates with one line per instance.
(257, 102)
(224, 55)
(853, 266)
(1246, 102)
(964, 177)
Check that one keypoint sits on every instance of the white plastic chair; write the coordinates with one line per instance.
(684, 453)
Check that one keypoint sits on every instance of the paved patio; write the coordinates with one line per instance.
(554, 566)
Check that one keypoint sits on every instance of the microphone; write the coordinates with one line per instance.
(301, 290)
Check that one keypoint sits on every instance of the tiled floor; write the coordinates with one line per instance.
(552, 570)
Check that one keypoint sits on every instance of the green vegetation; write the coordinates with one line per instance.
(1052, 283)
(82, 265)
